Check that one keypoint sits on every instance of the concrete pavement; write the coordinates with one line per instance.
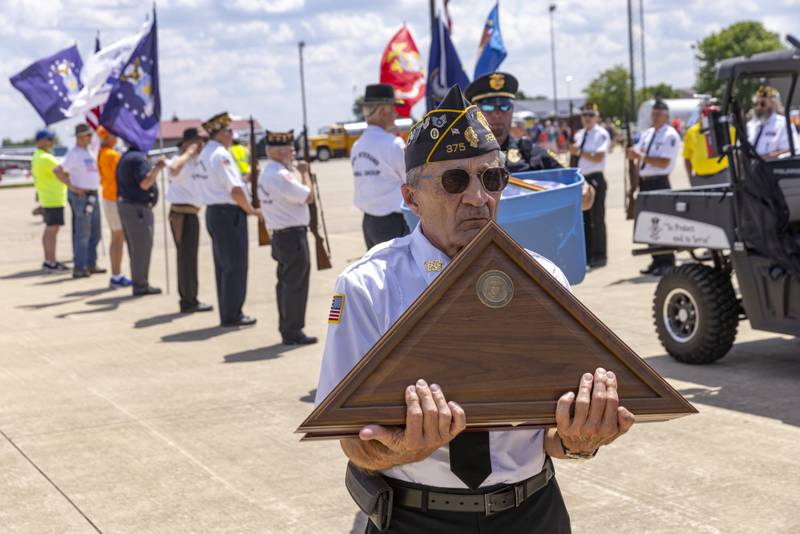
(121, 415)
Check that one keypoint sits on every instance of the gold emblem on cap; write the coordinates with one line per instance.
(497, 81)
(471, 137)
(482, 119)
(433, 266)
(513, 155)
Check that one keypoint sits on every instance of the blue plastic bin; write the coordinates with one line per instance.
(547, 222)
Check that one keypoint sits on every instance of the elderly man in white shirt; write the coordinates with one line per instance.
(220, 187)
(286, 190)
(768, 131)
(79, 171)
(455, 192)
(590, 146)
(379, 169)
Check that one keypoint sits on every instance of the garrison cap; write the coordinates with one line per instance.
(218, 122)
(765, 91)
(491, 85)
(591, 107)
(381, 93)
(660, 104)
(280, 138)
(456, 130)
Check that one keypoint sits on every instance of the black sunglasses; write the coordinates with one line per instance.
(456, 181)
(488, 108)
(588, 114)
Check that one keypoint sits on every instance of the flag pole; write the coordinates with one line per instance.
(164, 209)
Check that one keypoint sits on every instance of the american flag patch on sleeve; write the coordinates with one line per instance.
(337, 307)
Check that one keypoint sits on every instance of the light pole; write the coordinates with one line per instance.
(632, 110)
(553, 61)
(568, 79)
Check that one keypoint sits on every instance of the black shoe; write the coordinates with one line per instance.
(94, 269)
(244, 320)
(302, 339)
(80, 273)
(199, 307)
(149, 290)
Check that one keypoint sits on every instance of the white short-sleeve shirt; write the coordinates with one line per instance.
(774, 135)
(216, 174)
(181, 188)
(284, 197)
(379, 169)
(667, 144)
(596, 141)
(81, 165)
(375, 291)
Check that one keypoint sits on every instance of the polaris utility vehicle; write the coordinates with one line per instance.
(749, 229)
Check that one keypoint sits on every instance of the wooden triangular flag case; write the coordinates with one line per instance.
(503, 338)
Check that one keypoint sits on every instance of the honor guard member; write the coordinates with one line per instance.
(378, 168)
(656, 153)
(221, 188)
(286, 190)
(494, 94)
(768, 130)
(590, 146)
(453, 183)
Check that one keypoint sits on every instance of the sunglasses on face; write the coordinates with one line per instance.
(588, 114)
(488, 108)
(760, 104)
(493, 179)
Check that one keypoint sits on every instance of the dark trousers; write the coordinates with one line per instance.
(186, 234)
(542, 513)
(594, 222)
(227, 226)
(290, 250)
(380, 229)
(655, 183)
(137, 223)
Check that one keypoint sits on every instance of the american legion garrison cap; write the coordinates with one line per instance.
(280, 138)
(218, 122)
(456, 130)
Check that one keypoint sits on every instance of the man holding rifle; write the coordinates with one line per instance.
(286, 190)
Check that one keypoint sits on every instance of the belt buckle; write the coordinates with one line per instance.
(487, 502)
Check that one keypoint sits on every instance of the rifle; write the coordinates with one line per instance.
(323, 245)
(263, 233)
(631, 175)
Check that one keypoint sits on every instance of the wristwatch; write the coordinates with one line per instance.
(569, 455)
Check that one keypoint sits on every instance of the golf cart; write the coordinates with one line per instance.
(750, 228)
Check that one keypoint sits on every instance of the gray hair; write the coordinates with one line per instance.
(414, 175)
(370, 109)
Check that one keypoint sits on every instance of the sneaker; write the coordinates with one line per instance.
(54, 267)
(120, 281)
(94, 269)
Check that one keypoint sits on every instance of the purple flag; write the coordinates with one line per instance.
(133, 108)
(51, 83)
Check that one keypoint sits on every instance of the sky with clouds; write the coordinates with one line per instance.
(241, 55)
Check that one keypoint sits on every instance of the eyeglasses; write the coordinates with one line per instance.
(760, 104)
(493, 179)
(488, 108)
(588, 114)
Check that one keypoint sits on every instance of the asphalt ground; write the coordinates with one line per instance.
(118, 414)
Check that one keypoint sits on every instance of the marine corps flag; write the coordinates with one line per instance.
(401, 67)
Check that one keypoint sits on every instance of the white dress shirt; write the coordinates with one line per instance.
(667, 144)
(181, 188)
(216, 175)
(376, 291)
(82, 168)
(774, 135)
(379, 169)
(596, 141)
(284, 197)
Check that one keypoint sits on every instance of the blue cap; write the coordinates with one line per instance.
(45, 134)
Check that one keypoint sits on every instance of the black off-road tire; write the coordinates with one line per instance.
(323, 153)
(696, 313)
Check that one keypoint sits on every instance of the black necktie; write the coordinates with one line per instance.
(469, 458)
(647, 152)
(758, 136)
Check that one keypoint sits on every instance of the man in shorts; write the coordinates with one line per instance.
(107, 159)
(52, 194)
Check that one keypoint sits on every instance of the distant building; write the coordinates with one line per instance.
(543, 109)
(172, 130)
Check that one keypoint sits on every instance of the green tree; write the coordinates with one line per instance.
(610, 90)
(358, 113)
(739, 39)
(662, 90)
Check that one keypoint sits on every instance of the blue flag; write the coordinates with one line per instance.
(51, 83)
(492, 50)
(444, 66)
(133, 108)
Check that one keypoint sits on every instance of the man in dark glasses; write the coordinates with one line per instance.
(454, 180)
(494, 94)
(767, 131)
(590, 146)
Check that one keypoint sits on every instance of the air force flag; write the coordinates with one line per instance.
(492, 50)
(51, 83)
(133, 108)
(444, 66)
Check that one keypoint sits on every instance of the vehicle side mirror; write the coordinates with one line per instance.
(719, 133)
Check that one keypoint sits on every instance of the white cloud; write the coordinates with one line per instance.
(267, 6)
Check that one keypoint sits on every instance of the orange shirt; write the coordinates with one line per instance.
(107, 160)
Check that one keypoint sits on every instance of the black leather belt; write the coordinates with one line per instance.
(490, 503)
(290, 230)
